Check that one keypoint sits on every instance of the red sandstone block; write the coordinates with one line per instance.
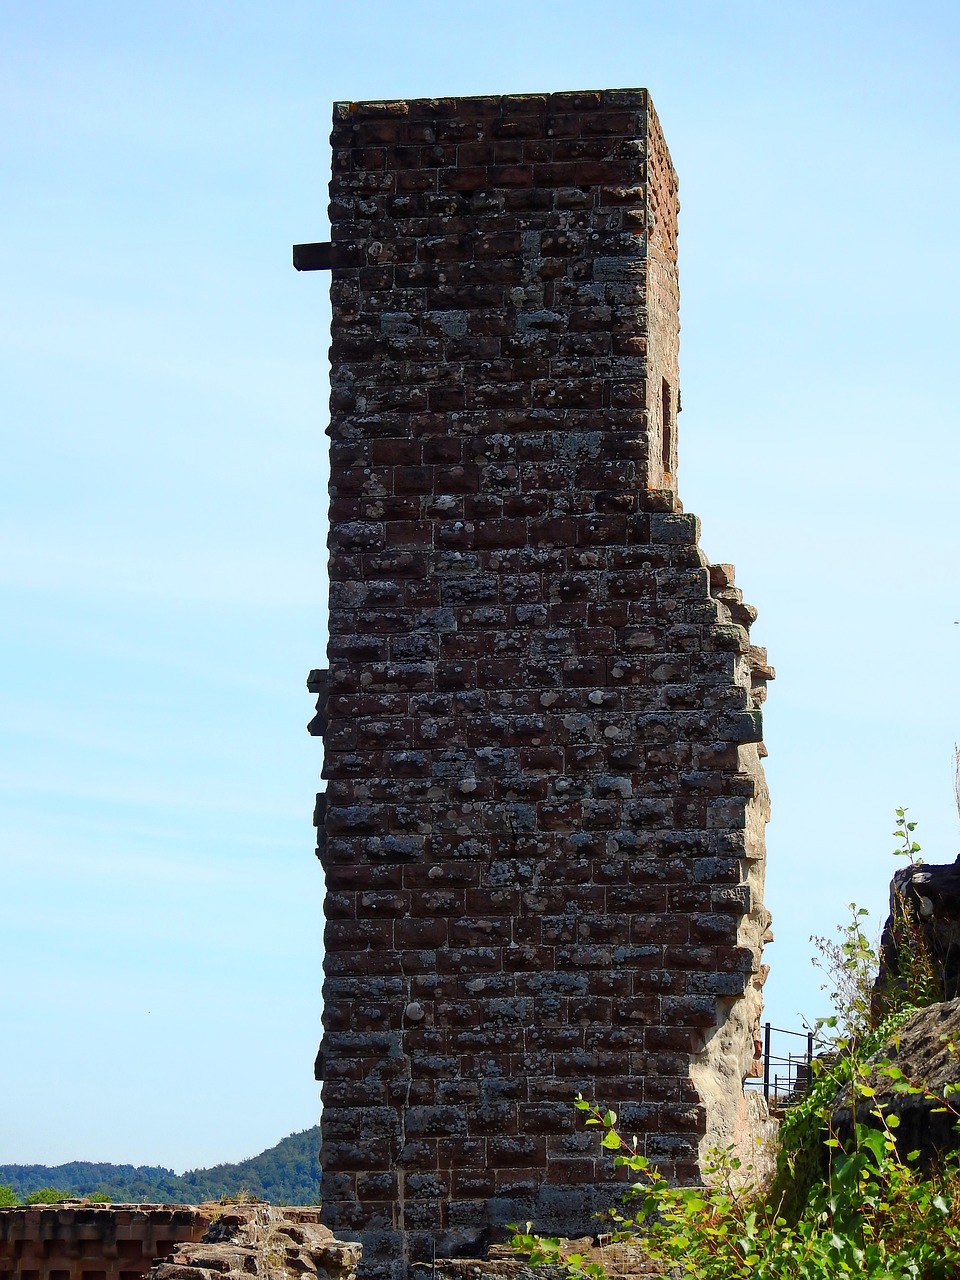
(583, 671)
(543, 759)
(628, 394)
(659, 929)
(524, 1151)
(608, 613)
(522, 126)
(476, 154)
(456, 130)
(595, 641)
(510, 175)
(483, 505)
(412, 479)
(446, 399)
(602, 530)
(493, 901)
(479, 959)
(528, 200)
(456, 478)
(560, 815)
(411, 180)
(624, 124)
(584, 148)
(517, 506)
(395, 452)
(554, 174)
(447, 248)
(557, 531)
(456, 675)
(464, 644)
(534, 152)
(466, 178)
(414, 934)
(570, 393)
(438, 902)
(639, 898)
(576, 100)
(501, 533)
(473, 1183)
(574, 198)
(438, 156)
(443, 449)
(508, 152)
(347, 507)
(384, 131)
(409, 533)
(626, 344)
(358, 935)
(606, 173)
(390, 508)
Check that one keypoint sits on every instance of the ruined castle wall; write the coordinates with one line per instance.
(540, 720)
(93, 1242)
(661, 330)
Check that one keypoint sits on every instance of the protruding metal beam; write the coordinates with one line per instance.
(312, 257)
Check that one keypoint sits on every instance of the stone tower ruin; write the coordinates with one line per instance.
(542, 832)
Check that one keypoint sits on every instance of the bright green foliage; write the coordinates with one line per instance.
(851, 967)
(8, 1197)
(917, 979)
(805, 1127)
(873, 1217)
(836, 1207)
(47, 1195)
(908, 847)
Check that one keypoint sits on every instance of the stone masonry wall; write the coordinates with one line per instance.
(77, 1241)
(542, 833)
(256, 1241)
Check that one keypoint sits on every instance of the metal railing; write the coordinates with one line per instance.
(785, 1074)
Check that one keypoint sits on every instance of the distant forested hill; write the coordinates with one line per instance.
(285, 1174)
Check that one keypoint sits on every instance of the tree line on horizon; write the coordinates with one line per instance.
(288, 1173)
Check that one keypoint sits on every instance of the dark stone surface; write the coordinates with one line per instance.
(541, 716)
(923, 927)
(925, 1050)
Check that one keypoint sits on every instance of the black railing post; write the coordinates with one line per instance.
(766, 1062)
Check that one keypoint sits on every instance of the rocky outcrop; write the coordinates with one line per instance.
(260, 1240)
(925, 1050)
(921, 938)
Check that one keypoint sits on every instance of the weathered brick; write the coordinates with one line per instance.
(539, 718)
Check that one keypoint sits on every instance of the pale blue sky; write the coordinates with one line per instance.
(163, 396)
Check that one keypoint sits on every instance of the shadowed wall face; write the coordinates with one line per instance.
(543, 829)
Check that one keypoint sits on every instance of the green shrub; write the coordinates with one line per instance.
(873, 1216)
(835, 1208)
(47, 1195)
